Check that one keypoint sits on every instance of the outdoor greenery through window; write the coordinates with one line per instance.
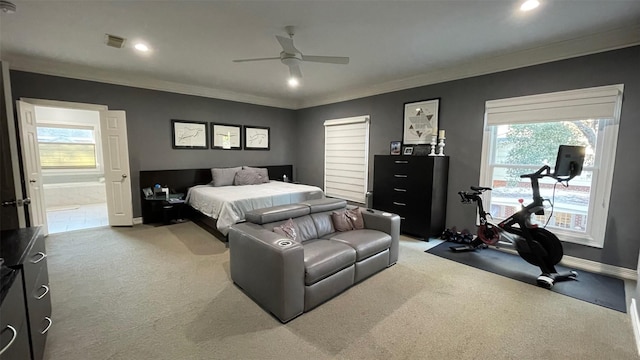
(524, 133)
(67, 147)
(524, 148)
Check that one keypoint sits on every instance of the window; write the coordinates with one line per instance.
(522, 134)
(67, 147)
(346, 155)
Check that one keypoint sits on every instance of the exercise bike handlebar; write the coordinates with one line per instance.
(539, 174)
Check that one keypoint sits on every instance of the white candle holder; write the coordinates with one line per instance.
(433, 145)
(441, 147)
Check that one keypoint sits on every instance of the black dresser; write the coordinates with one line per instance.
(23, 251)
(414, 187)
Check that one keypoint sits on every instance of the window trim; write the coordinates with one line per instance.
(605, 102)
(349, 121)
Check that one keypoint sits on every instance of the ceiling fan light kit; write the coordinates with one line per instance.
(292, 57)
(7, 7)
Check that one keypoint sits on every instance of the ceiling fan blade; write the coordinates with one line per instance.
(287, 45)
(326, 59)
(295, 72)
(257, 59)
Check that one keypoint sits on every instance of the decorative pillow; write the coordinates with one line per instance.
(287, 229)
(355, 216)
(248, 177)
(224, 176)
(341, 221)
(262, 171)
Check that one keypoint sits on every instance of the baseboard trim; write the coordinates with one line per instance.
(137, 221)
(635, 321)
(589, 265)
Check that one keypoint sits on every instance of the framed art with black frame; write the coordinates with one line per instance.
(256, 138)
(189, 134)
(226, 136)
(420, 121)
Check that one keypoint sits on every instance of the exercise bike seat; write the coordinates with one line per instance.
(479, 188)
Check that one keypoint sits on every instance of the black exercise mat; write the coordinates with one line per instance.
(594, 288)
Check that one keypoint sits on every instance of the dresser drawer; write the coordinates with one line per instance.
(34, 262)
(14, 336)
(39, 308)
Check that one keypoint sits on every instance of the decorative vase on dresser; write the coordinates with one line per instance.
(414, 187)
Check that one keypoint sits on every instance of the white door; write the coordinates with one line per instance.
(31, 160)
(115, 148)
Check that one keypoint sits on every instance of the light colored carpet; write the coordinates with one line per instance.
(165, 293)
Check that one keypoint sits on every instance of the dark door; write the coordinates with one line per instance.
(8, 211)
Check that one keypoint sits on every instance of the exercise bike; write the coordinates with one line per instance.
(534, 244)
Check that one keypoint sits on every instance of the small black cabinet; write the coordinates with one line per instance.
(415, 188)
(156, 209)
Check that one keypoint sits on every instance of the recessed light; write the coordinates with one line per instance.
(293, 82)
(141, 47)
(529, 5)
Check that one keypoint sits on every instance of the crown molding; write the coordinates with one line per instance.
(585, 45)
(47, 67)
(560, 50)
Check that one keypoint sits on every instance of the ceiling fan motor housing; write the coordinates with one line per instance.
(290, 59)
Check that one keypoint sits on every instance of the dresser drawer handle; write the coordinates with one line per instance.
(399, 203)
(13, 338)
(400, 190)
(46, 291)
(401, 162)
(402, 217)
(48, 326)
(400, 176)
(42, 257)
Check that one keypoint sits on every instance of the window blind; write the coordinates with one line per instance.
(346, 155)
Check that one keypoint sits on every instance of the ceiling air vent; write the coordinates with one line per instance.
(114, 41)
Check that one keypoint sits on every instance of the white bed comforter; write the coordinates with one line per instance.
(228, 204)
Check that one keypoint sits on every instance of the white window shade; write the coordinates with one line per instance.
(598, 102)
(346, 154)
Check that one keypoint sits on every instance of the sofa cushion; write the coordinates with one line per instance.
(323, 258)
(366, 242)
(306, 228)
(276, 213)
(323, 222)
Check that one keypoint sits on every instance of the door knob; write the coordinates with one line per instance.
(32, 181)
(124, 176)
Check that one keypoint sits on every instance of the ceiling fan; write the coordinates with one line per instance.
(292, 57)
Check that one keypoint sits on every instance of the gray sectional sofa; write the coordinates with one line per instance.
(289, 277)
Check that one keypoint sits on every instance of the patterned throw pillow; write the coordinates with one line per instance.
(341, 221)
(355, 216)
(287, 229)
(264, 172)
(248, 177)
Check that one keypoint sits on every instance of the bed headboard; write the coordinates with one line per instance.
(180, 180)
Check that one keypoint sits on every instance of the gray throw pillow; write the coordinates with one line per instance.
(262, 171)
(224, 176)
(341, 221)
(248, 177)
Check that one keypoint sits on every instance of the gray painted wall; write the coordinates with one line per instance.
(461, 115)
(149, 115)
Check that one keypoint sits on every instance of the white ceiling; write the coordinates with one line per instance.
(392, 44)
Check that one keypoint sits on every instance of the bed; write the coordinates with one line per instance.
(228, 204)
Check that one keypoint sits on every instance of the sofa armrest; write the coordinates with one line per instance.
(387, 224)
(270, 273)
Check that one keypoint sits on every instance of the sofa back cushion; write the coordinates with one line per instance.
(323, 222)
(306, 228)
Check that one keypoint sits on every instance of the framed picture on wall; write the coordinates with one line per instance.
(189, 134)
(226, 136)
(420, 121)
(256, 138)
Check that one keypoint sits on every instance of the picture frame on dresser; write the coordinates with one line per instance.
(395, 147)
(420, 121)
(186, 134)
(257, 138)
(226, 136)
(408, 150)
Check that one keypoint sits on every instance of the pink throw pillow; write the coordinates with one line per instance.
(288, 229)
(355, 216)
(341, 221)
